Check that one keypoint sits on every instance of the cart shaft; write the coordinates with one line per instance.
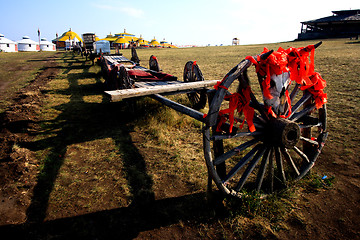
(179, 107)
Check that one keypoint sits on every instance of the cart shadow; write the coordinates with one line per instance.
(121, 223)
(79, 122)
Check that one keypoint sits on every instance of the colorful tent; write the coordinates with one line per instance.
(143, 43)
(165, 44)
(6, 45)
(154, 43)
(121, 42)
(70, 35)
(109, 38)
(68, 40)
(127, 36)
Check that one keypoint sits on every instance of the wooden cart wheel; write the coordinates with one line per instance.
(123, 79)
(111, 78)
(154, 64)
(278, 152)
(134, 56)
(192, 73)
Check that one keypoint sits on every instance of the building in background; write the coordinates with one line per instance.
(45, 45)
(154, 43)
(342, 24)
(235, 41)
(110, 38)
(28, 45)
(128, 37)
(165, 44)
(68, 40)
(6, 45)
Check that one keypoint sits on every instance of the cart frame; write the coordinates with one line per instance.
(271, 144)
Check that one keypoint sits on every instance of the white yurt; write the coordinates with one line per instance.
(45, 45)
(28, 45)
(6, 45)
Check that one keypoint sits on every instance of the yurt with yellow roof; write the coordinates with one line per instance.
(140, 42)
(6, 45)
(154, 43)
(67, 40)
(111, 38)
(127, 36)
(165, 44)
(121, 43)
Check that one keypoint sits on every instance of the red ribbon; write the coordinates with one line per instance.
(300, 63)
(239, 102)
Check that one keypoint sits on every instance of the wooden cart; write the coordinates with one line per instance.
(252, 149)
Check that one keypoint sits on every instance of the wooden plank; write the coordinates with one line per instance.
(160, 87)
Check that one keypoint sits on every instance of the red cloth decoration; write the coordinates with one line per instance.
(140, 74)
(239, 102)
(300, 63)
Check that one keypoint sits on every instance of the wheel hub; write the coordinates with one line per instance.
(283, 133)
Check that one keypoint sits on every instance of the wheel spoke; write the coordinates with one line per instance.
(271, 169)
(250, 168)
(241, 163)
(303, 112)
(261, 173)
(301, 154)
(279, 164)
(258, 106)
(197, 97)
(289, 160)
(222, 158)
(309, 140)
(294, 92)
(301, 102)
(310, 125)
(259, 120)
(241, 134)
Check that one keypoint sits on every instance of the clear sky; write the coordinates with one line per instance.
(182, 22)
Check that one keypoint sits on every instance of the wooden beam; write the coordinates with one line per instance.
(158, 87)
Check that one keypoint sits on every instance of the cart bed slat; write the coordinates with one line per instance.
(155, 87)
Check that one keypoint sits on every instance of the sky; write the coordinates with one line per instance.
(181, 22)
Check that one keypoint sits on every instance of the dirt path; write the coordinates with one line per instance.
(19, 166)
(331, 213)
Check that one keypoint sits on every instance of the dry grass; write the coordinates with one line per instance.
(99, 156)
(16, 70)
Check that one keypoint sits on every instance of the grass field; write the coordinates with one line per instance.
(17, 69)
(103, 169)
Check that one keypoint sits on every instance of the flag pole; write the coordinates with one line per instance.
(39, 37)
(57, 40)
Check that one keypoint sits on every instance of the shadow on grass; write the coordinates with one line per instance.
(79, 122)
(353, 42)
(121, 223)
